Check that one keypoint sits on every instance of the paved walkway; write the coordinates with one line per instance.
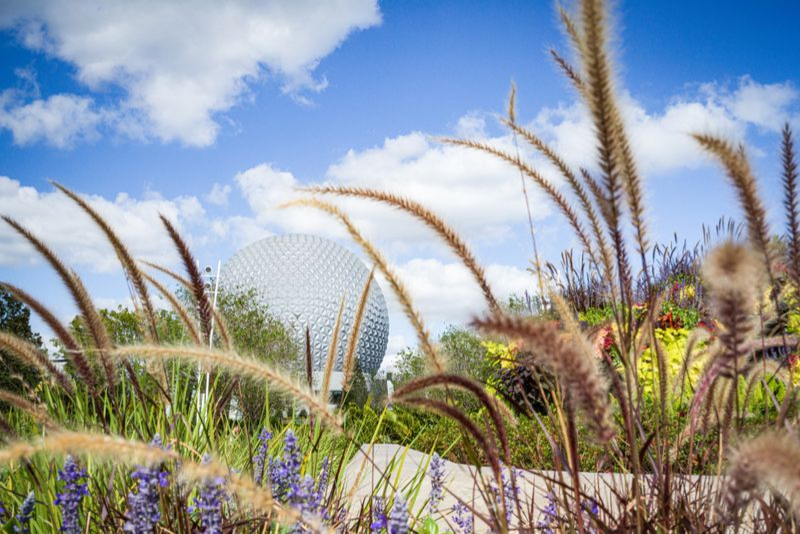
(407, 470)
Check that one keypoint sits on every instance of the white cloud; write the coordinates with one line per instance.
(265, 188)
(60, 223)
(60, 120)
(182, 63)
(218, 195)
(239, 230)
(447, 292)
(765, 105)
(661, 140)
(477, 194)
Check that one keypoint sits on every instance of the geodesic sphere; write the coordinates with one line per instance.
(302, 280)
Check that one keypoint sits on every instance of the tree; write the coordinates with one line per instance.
(257, 334)
(15, 318)
(358, 392)
(465, 354)
(125, 327)
(411, 364)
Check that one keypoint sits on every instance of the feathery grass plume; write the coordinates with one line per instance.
(222, 326)
(169, 272)
(600, 100)
(790, 203)
(333, 350)
(466, 384)
(197, 284)
(571, 327)
(182, 312)
(734, 272)
(579, 372)
(770, 460)
(512, 103)
(569, 71)
(580, 192)
(558, 162)
(734, 276)
(381, 263)
(355, 331)
(236, 364)
(741, 175)
(430, 219)
(571, 29)
(597, 193)
(125, 258)
(79, 294)
(546, 185)
(72, 349)
(88, 444)
(32, 355)
(36, 411)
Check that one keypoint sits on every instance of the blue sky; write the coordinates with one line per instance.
(214, 116)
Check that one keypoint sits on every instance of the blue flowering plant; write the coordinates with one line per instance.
(73, 492)
(208, 503)
(25, 514)
(144, 506)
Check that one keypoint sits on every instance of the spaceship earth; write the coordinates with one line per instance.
(302, 279)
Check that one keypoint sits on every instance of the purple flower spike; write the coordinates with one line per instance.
(70, 499)
(549, 515)
(144, 510)
(25, 514)
(379, 519)
(398, 522)
(317, 496)
(463, 518)
(208, 503)
(261, 457)
(436, 473)
(285, 474)
(2, 510)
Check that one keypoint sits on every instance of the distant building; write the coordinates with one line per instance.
(302, 279)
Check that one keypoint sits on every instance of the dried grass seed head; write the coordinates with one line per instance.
(733, 268)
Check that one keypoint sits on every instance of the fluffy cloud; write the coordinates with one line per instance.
(661, 139)
(218, 194)
(767, 106)
(60, 120)
(182, 63)
(445, 292)
(477, 194)
(62, 224)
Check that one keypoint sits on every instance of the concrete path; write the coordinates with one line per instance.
(407, 469)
